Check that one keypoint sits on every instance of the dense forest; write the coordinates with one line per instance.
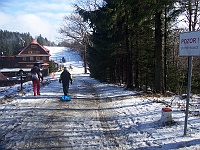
(12, 42)
(136, 43)
(128, 42)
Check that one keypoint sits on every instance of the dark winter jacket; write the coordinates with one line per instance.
(65, 77)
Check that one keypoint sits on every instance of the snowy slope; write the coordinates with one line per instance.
(135, 119)
(57, 53)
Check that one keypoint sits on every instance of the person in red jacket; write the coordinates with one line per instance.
(36, 77)
(65, 78)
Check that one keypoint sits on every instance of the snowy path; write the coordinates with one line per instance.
(100, 116)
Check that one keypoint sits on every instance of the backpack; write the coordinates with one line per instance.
(35, 73)
(34, 76)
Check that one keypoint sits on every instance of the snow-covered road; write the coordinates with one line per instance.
(100, 116)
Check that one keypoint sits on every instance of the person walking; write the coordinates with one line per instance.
(36, 77)
(65, 78)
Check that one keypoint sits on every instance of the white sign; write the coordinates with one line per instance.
(189, 44)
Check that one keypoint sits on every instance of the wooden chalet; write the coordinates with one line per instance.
(27, 57)
(33, 53)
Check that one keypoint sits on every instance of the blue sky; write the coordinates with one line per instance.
(35, 16)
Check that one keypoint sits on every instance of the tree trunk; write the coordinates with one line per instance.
(136, 66)
(165, 53)
(129, 69)
(84, 59)
(158, 52)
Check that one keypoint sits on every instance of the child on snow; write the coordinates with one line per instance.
(65, 77)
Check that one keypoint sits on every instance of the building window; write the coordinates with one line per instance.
(33, 52)
(31, 58)
(44, 58)
(24, 58)
(37, 58)
(33, 46)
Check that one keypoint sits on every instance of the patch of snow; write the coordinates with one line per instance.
(119, 119)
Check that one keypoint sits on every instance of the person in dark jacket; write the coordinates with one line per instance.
(65, 78)
(36, 77)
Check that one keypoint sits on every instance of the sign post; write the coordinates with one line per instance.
(21, 73)
(188, 92)
(189, 45)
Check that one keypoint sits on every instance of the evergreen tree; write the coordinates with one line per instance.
(12, 42)
(52, 67)
(131, 45)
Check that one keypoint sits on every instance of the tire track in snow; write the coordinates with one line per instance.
(109, 136)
